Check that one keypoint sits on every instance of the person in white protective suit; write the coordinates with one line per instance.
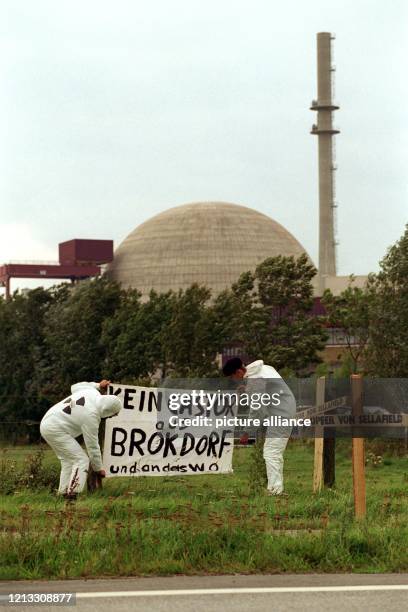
(276, 438)
(79, 414)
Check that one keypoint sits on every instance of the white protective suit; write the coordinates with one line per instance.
(276, 440)
(81, 413)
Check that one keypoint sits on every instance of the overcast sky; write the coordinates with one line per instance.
(112, 111)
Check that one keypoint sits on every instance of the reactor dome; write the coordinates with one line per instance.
(209, 243)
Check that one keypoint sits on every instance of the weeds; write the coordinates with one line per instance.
(31, 474)
(257, 470)
(204, 524)
(9, 474)
(373, 460)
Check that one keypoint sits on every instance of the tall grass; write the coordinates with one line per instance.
(208, 524)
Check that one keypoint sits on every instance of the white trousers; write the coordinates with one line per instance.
(273, 454)
(74, 460)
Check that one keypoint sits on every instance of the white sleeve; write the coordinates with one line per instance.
(82, 386)
(90, 430)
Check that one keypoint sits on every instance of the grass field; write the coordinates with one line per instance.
(209, 524)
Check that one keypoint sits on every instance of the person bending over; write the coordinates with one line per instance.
(276, 438)
(79, 414)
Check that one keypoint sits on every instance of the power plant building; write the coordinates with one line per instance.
(209, 243)
(212, 243)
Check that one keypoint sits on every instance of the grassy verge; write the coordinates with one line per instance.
(209, 524)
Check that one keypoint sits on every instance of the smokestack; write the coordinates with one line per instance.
(325, 131)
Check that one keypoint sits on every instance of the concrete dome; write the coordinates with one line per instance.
(209, 243)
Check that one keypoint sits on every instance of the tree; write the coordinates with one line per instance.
(350, 312)
(270, 313)
(73, 349)
(21, 349)
(190, 339)
(387, 348)
(133, 336)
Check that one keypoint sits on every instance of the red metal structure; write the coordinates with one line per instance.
(81, 252)
(78, 259)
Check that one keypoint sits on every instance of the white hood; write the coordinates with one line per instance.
(82, 414)
(108, 405)
(254, 368)
(257, 369)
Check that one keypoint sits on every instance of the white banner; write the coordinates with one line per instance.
(138, 441)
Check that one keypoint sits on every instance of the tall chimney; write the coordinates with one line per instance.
(325, 131)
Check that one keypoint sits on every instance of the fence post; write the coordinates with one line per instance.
(358, 457)
(94, 480)
(329, 460)
(319, 440)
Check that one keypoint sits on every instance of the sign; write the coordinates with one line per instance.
(319, 418)
(326, 407)
(140, 442)
(362, 420)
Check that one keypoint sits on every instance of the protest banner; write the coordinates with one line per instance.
(140, 442)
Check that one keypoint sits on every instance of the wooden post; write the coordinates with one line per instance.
(358, 457)
(94, 480)
(319, 440)
(329, 460)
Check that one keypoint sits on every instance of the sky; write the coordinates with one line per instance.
(112, 112)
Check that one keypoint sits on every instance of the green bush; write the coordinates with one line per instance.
(32, 474)
(36, 475)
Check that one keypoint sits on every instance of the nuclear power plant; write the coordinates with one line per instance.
(209, 243)
(212, 243)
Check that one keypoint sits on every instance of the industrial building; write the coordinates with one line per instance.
(209, 243)
(212, 243)
(78, 260)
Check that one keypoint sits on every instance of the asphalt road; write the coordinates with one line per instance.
(281, 593)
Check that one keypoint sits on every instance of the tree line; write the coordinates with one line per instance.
(95, 329)
(374, 319)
